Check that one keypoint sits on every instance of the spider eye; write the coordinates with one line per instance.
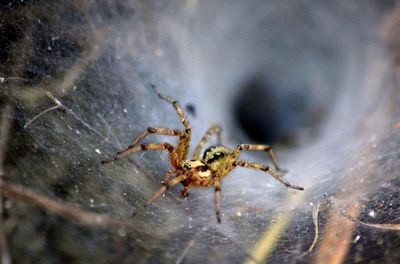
(187, 166)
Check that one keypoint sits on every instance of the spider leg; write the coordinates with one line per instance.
(266, 148)
(169, 174)
(217, 185)
(157, 130)
(215, 129)
(267, 169)
(186, 189)
(163, 189)
(183, 148)
(133, 149)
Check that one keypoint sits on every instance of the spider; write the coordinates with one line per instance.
(205, 171)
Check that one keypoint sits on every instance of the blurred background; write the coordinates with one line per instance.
(317, 80)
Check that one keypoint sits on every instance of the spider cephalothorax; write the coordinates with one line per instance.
(207, 170)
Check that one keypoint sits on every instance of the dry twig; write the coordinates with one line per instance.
(5, 125)
(345, 213)
(316, 233)
(185, 251)
(60, 208)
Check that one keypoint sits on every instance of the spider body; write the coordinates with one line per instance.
(205, 171)
(216, 157)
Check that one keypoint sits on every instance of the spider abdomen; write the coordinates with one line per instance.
(215, 156)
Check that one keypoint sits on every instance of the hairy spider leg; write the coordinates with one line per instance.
(266, 148)
(163, 189)
(215, 129)
(183, 148)
(169, 174)
(217, 185)
(267, 169)
(186, 189)
(160, 131)
(133, 149)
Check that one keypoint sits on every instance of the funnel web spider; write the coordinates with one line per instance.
(205, 171)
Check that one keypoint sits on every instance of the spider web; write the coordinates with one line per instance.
(99, 59)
